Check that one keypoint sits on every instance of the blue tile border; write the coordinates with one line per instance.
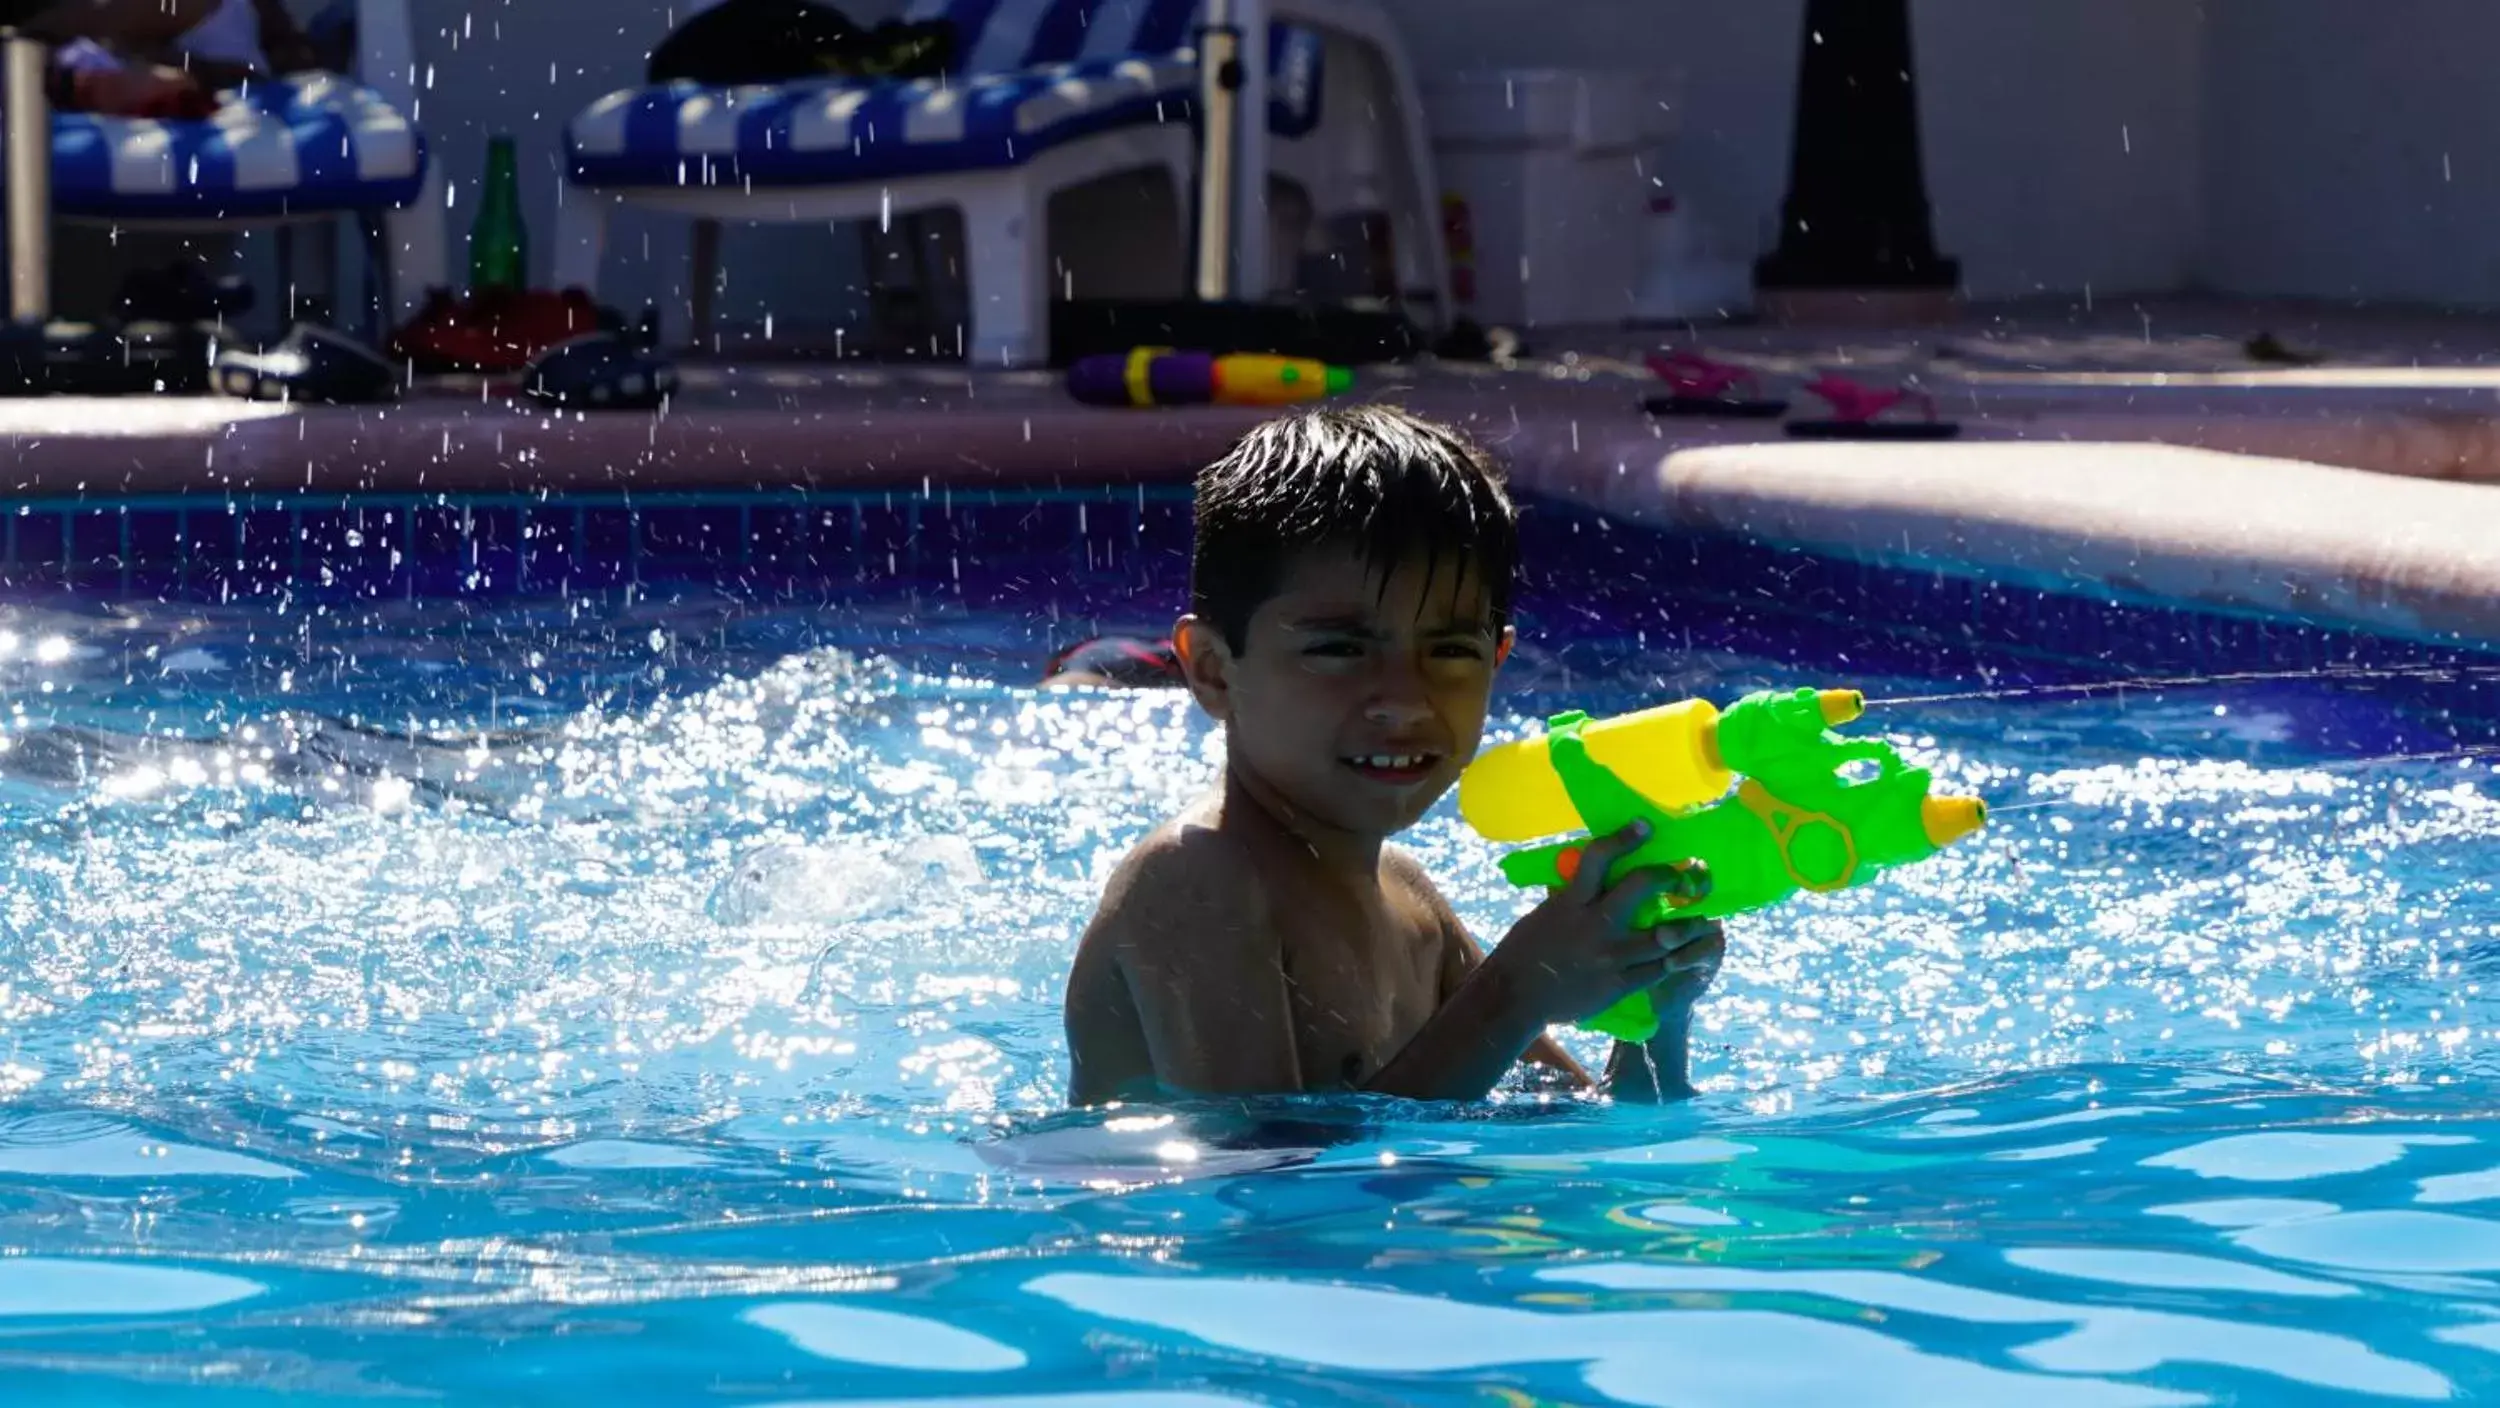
(378, 547)
(1068, 550)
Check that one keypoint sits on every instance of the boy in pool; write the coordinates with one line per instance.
(1349, 607)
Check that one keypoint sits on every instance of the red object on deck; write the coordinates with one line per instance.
(492, 330)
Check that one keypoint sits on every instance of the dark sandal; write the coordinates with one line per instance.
(599, 371)
(313, 365)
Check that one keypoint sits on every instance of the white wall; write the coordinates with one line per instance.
(2353, 150)
(2334, 149)
(1734, 65)
(2061, 136)
(2063, 142)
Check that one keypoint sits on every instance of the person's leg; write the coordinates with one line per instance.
(1114, 662)
(135, 24)
(134, 90)
(217, 75)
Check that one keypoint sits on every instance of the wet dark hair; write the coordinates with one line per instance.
(1380, 481)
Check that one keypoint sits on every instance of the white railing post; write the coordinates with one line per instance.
(26, 132)
(1251, 275)
(1220, 74)
(1232, 151)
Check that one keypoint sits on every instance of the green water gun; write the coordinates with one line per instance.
(1810, 809)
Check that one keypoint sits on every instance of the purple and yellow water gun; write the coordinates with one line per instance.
(1810, 810)
(1160, 376)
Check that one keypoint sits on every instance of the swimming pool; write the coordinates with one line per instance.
(648, 993)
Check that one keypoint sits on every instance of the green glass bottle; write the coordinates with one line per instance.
(499, 244)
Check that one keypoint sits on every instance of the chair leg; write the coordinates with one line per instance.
(581, 239)
(285, 241)
(706, 280)
(419, 262)
(937, 285)
(378, 292)
(898, 293)
(1004, 247)
(1184, 177)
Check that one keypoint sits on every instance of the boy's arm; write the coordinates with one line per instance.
(1192, 932)
(1660, 1069)
(1657, 1070)
(1578, 951)
(1645, 1072)
(1461, 955)
(1474, 1036)
(1641, 1072)
(1470, 1042)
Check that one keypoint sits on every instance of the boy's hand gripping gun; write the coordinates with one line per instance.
(1794, 822)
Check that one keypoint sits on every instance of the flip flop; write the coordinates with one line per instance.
(599, 371)
(2266, 347)
(1704, 387)
(311, 364)
(1858, 410)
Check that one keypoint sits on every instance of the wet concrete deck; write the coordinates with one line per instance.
(2129, 446)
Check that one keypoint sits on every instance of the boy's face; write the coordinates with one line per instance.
(1356, 702)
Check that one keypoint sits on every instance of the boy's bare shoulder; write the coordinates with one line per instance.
(1415, 883)
(1188, 878)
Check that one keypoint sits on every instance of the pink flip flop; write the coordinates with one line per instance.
(1859, 410)
(1703, 387)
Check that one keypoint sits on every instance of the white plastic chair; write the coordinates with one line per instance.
(1047, 95)
(310, 147)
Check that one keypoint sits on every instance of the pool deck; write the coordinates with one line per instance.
(2130, 448)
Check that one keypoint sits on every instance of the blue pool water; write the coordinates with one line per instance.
(656, 1000)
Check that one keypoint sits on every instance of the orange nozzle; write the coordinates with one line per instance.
(1949, 819)
(1840, 706)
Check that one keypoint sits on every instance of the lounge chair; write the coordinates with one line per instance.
(1045, 96)
(307, 147)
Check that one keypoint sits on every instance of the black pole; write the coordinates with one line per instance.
(1856, 215)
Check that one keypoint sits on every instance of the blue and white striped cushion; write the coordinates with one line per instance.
(308, 144)
(1031, 74)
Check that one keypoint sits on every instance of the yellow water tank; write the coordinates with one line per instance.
(1669, 754)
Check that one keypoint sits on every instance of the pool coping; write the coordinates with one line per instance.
(2145, 523)
(2078, 496)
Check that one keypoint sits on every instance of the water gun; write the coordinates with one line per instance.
(1811, 810)
(1160, 376)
